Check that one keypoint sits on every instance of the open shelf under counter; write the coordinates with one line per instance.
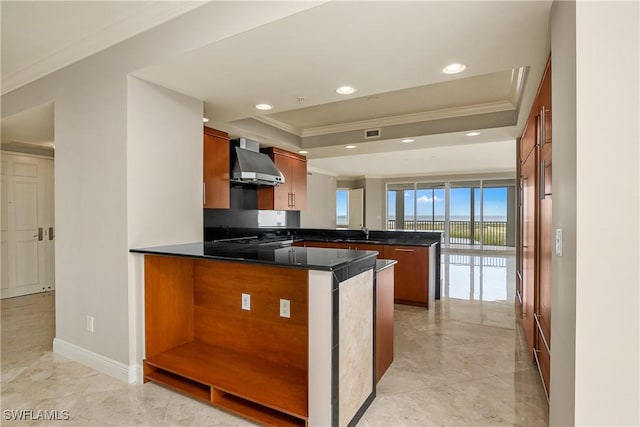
(256, 388)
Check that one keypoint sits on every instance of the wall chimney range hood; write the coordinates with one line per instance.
(253, 167)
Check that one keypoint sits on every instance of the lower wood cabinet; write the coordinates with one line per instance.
(414, 274)
(194, 344)
(384, 321)
(411, 274)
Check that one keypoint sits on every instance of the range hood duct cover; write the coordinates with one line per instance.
(252, 166)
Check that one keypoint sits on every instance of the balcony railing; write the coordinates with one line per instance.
(461, 232)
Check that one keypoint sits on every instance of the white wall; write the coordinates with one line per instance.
(91, 176)
(164, 174)
(356, 208)
(321, 202)
(607, 362)
(374, 204)
(563, 295)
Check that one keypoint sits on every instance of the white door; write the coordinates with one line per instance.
(25, 221)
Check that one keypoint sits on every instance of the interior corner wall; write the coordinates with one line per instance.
(563, 269)
(164, 174)
(164, 165)
(321, 202)
(607, 362)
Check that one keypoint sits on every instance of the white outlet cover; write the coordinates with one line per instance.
(285, 308)
(246, 302)
(559, 241)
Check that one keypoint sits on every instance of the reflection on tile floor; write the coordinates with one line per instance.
(463, 363)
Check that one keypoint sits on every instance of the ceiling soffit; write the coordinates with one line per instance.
(493, 92)
(473, 103)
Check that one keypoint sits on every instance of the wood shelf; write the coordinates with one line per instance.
(253, 411)
(244, 384)
(180, 383)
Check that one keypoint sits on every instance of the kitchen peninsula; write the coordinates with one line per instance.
(279, 334)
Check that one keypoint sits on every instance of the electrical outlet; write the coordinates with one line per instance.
(90, 324)
(285, 308)
(559, 241)
(246, 302)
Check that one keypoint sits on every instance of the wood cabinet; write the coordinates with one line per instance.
(275, 368)
(215, 187)
(292, 195)
(384, 320)
(414, 274)
(536, 235)
(194, 343)
(411, 279)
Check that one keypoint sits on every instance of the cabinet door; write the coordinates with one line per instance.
(384, 321)
(411, 273)
(298, 173)
(292, 195)
(529, 238)
(216, 169)
(528, 140)
(282, 197)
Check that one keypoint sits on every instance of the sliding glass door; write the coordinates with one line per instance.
(468, 213)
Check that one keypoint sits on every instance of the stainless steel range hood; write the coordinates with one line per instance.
(253, 167)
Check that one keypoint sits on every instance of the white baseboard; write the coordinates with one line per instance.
(118, 370)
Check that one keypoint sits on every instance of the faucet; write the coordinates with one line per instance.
(365, 230)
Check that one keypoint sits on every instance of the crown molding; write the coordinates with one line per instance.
(140, 19)
(445, 113)
(278, 124)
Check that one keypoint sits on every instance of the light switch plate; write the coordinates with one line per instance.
(285, 308)
(246, 302)
(559, 241)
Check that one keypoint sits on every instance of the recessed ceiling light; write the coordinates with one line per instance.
(472, 133)
(205, 120)
(454, 68)
(303, 152)
(349, 147)
(408, 140)
(263, 107)
(346, 90)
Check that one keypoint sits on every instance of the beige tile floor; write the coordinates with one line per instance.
(462, 363)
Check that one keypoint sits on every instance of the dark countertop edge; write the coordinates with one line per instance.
(150, 251)
(383, 264)
(390, 242)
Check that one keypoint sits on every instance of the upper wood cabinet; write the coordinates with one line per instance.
(292, 195)
(215, 187)
(544, 107)
(216, 169)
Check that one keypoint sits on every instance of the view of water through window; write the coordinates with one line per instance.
(478, 212)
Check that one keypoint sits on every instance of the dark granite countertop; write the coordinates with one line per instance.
(377, 241)
(283, 256)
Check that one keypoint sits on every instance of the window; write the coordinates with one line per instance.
(468, 213)
(342, 208)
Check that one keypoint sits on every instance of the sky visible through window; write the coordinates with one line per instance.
(430, 204)
(342, 207)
